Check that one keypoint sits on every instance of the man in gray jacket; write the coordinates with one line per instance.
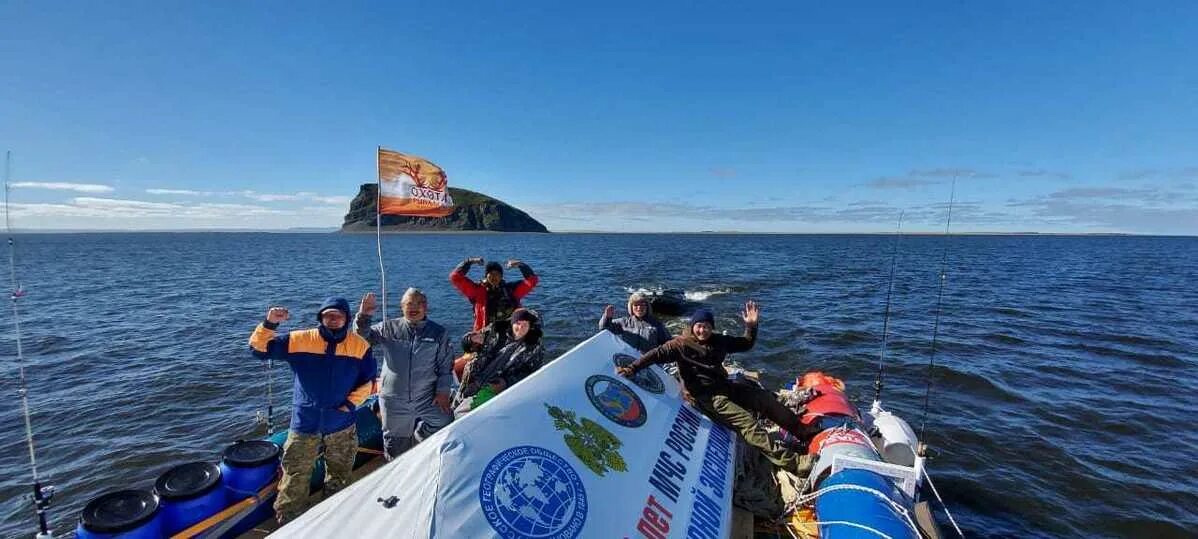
(417, 371)
(640, 329)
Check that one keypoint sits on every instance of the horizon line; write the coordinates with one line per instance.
(333, 230)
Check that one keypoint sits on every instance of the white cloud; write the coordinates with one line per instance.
(269, 197)
(890, 182)
(333, 200)
(1146, 173)
(323, 210)
(302, 196)
(117, 214)
(1084, 209)
(185, 192)
(183, 211)
(1039, 172)
(305, 196)
(65, 186)
(1148, 210)
(124, 209)
(23, 214)
(122, 205)
(950, 172)
(1070, 210)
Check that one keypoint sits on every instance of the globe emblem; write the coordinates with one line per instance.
(616, 401)
(645, 378)
(528, 492)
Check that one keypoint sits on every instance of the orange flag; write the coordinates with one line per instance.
(413, 186)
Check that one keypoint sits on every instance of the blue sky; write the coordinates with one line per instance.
(780, 117)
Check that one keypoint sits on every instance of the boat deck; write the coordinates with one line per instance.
(269, 526)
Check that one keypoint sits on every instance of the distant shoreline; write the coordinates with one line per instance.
(592, 233)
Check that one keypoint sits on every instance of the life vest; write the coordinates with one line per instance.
(831, 400)
(459, 365)
(500, 302)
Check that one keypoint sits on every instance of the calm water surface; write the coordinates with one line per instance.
(1064, 400)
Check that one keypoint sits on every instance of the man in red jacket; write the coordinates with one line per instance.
(493, 298)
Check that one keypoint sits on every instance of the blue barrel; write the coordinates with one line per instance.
(862, 508)
(248, 466)
(190, 493)
(130, 514)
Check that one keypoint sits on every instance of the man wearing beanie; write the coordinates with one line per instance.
(417, 371)
(493, 298)
(699, 353)
(640, 329)
(333, 374)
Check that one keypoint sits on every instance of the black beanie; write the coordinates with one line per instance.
(494, 266)
(524, 315)
(467, 344)
(702, 315)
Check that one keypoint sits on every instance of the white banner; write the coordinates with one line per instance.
(572, 451)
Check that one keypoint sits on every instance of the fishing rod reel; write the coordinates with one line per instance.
(265, 418)
(927, 451)
(42, 494)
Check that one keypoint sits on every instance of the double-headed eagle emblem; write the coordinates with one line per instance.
(594, 445)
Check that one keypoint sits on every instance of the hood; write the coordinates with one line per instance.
(534, 331)
(341, 304)
(640, 296)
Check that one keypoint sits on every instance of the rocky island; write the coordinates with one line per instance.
(472, 212)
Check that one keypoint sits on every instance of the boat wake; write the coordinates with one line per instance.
(704, 295)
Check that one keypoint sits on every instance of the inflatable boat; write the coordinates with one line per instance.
(571, 451)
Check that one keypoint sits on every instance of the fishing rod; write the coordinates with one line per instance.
(269, 420)
(898, 235)
(939, 302)
(932, 358)
(41, 494)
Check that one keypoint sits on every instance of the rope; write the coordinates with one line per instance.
(942, 504)
(852, 524)
(807, 498)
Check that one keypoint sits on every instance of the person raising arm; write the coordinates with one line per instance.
(493, 298)
(333, 372)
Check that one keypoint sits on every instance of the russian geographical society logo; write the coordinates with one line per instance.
(645, 378)
(616, 401)
(527, 492)
(594, 445)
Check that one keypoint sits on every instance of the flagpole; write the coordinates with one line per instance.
(378, 227)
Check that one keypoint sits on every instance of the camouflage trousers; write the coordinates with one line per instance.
(737, 407)
(299, 458)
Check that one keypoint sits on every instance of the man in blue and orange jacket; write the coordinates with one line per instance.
(334, 373)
